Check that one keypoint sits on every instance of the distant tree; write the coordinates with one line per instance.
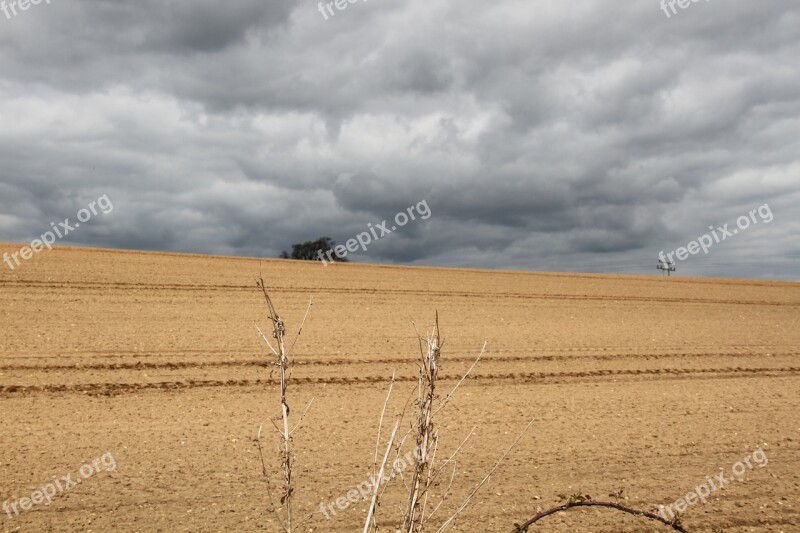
(310, 250)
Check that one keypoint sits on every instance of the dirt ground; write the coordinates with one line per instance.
(643, 383)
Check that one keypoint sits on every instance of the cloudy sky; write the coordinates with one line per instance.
(544, 135)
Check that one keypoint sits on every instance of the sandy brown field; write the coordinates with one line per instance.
(649, 384)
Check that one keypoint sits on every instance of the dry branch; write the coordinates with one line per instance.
(523, 528)
(379, 481)
(284, 368)
(464, 505)
(426, 437)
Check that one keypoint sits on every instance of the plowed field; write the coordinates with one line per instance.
(647, 384)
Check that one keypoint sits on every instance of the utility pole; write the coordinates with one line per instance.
(667, 266)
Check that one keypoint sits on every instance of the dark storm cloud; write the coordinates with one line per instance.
(543, 135)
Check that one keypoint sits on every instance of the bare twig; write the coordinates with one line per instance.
(452, 392)
(523, 528)
(452, 456)
(446, 492)
(426, 437)
(265, 339)
(429, 481)
(302, 416)
(449, 396)
(299, 526)
(378, 492)
(283, 364)
(380, 422)
(476, 489)
(265, 472)
(379, 479)
(300, 329)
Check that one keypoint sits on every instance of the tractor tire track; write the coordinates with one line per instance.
(127, 286)
(111, 389)
(178, 365)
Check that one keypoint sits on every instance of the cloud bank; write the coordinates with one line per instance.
(544, 136)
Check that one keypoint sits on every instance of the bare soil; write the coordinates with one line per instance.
(643, 383)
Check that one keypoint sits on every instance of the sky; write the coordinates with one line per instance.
(582, 136)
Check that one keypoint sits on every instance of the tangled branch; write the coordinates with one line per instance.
(588, 502)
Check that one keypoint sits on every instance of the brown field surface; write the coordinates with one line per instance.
(644, 383)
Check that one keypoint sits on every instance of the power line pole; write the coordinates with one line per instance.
(667, 266)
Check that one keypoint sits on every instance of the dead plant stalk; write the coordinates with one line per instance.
(283, 364)
(426, 438)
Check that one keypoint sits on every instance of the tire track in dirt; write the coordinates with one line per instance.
(211, 351)
(529, 377)
(177, 365)
(126, 286)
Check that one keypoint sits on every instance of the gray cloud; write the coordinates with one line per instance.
(586, 137)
